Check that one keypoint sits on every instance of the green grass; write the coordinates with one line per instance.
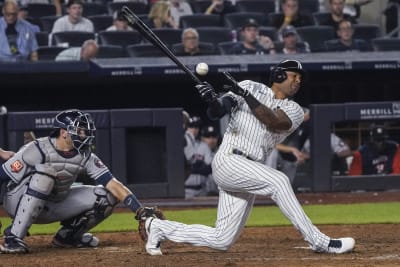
(260, 216)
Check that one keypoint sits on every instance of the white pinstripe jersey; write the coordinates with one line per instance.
(247, 134)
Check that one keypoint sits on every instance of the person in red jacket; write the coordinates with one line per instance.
(379, 156)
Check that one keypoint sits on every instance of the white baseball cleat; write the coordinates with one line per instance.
(341, 245)
(153, 241)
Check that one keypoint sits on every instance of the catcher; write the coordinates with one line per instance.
(40, 186)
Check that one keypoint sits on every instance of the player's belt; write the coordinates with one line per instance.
(241, 153)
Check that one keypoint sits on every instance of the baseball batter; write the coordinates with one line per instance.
(40, 186)
(260, 118)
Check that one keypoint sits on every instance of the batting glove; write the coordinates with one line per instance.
(206, 92)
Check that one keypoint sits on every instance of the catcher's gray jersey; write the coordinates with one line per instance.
(239, 170)
(68, 165)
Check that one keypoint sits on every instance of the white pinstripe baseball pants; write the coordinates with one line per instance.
(240, 180)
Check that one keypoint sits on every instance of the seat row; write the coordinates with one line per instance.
(315, 36)
(223, 48)
(37, 10)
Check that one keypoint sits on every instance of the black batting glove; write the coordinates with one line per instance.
(206, 92)
(234, 87)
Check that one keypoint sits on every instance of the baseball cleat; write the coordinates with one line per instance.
(86, 241)
(341, 245)
(153, 242)
(13, 245)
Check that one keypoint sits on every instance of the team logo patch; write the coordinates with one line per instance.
(16, 166)
(99, 163)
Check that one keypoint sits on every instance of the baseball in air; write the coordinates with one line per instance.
(202, 69)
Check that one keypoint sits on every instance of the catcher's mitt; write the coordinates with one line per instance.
(142, 214)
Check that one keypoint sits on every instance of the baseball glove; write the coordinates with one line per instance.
(146, 212)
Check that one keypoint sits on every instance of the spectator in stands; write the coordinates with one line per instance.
(220, 7)
(160, 16)
(291, 43)
(377, 156)
(119, 23)
(180, 8)
(190, 44)
(346, 42)
(336, 8)
(290, 16)
(210, 136)
(198, 154)
(17, 39)
(252, 42)
(73, 21)
(23, 14)
(87, 51)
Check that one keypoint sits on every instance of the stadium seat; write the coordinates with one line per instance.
(36, 10)
(123, 38)
(206, 48)
(136, 7)
(111, 51)
(269, 31)
(42, 38)
(236, 20)
(214, 35)
(48, 22)
(200, 6)
(94, 8)
(200, 20)
(316, 36)
(168, 36)
(71, 38)
(101, 22)
(225, 47)
(49, 52)
(320, 17)
(144, 50)
(386, 44)
(367, 31)
(308, 6)
(264, 6)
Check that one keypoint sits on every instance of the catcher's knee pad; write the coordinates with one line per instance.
(102, 208)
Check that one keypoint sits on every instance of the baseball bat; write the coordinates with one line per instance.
(141, 27)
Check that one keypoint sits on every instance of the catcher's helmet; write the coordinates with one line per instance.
(79, 125)
(278, 72)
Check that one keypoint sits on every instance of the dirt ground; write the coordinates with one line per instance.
(376, 245)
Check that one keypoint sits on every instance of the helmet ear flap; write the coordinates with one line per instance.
(278, 75)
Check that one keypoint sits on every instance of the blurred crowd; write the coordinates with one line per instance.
(32, 30)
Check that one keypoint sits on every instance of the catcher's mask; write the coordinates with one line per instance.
(278, 72)
(80, 127)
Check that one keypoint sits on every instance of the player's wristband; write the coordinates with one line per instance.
(251, 101)
(131, 202)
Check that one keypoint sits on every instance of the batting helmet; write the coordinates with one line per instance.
(79, 125)
(278, 72)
